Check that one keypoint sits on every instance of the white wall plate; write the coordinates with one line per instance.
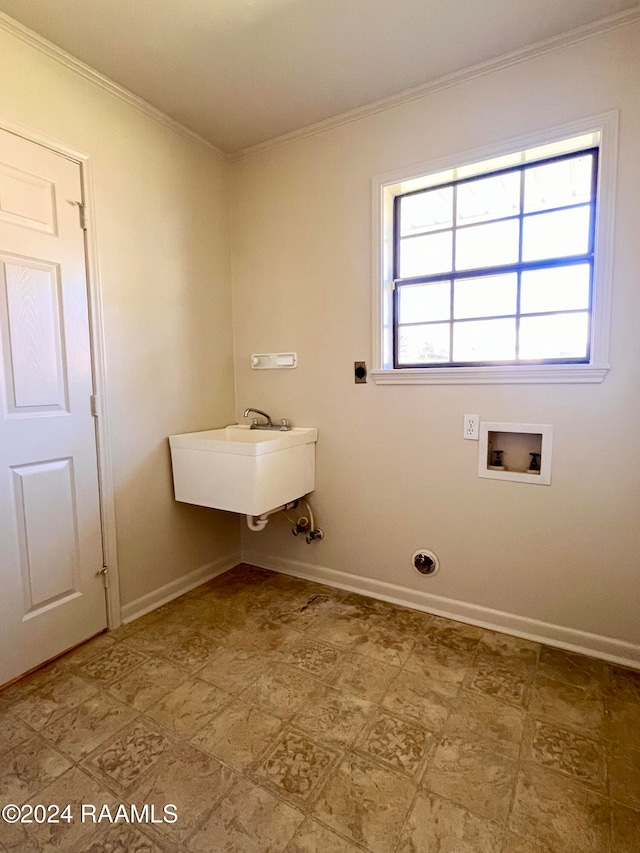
(274, 360)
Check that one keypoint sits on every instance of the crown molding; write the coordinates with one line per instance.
(33, 39)
(457, 78)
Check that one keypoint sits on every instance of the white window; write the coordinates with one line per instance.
(498, 269)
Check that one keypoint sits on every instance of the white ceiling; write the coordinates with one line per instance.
(239, 72)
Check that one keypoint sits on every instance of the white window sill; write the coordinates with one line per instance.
(551, 374)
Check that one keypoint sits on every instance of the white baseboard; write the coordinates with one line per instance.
(570, 639)
(158, 597)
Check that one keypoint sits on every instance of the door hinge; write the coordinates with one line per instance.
(94, 406)
(82, 209)
(104, 571)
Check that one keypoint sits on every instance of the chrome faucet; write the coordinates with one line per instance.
(283, 426)
(255, 424)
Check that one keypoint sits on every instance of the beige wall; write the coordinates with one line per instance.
(393, 472)
(162, 214)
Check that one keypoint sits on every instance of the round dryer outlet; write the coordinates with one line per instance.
(425, 562)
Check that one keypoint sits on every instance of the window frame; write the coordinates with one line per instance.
(386, 188)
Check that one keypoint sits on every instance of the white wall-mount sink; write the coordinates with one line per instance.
(238, 469)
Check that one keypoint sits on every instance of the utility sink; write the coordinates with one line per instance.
(239, 469)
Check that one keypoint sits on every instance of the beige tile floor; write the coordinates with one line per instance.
(280, 715)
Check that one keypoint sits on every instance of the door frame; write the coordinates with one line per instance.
(98, 359)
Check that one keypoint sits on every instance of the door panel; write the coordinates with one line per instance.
(27, 199)
(35, 373)
(46, 516)
(50, 533)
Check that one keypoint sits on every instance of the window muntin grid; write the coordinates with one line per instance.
(506, 241)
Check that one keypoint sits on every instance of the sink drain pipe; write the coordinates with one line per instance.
(259, 522)
(304, 524)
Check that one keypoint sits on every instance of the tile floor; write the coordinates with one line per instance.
(279, 715)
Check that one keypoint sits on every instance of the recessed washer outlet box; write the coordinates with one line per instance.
(524, 452)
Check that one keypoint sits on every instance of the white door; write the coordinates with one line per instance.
(51, 595)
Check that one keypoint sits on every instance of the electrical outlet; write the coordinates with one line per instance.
(360, 372)
(471, 427)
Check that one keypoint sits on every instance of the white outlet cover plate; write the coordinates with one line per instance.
(471, 427)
